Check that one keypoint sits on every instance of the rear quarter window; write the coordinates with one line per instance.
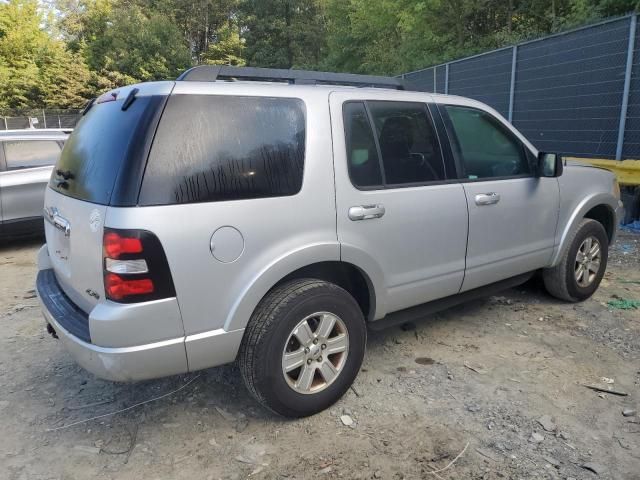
(213, 148)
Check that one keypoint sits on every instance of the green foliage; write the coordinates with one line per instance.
(141, 46)
(124, 43)
(36, 69)
(283, 33)
(395, 36)
(62, 56)
(226, 48)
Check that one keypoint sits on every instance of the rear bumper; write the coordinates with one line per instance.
(139, 362)
(124, 364)
(80, 332)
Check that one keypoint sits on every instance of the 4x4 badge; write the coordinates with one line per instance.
(93, 294)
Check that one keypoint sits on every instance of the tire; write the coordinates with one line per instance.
(561, 282)
(271, 333)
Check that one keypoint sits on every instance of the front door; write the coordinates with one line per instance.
(398, 211)
(512, 214)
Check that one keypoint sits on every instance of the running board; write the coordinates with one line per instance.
(418, 312)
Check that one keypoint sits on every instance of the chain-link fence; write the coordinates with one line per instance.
(19, 119)
(576, 92)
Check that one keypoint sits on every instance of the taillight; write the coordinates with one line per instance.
(135, 267)
(118, 288)
(115, 245)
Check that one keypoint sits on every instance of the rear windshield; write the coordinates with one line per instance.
(215, 148)
(100, 146)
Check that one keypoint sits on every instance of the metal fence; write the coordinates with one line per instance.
(15, 120)
(576, 92)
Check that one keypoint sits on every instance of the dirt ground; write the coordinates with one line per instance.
(496, 385)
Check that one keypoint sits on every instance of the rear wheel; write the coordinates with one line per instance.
(582, 266)
(303, 347)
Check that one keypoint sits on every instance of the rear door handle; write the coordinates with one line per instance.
(366, 212)
(487, 198)
(52, 216)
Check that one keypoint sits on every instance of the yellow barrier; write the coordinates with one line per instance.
(627, 171)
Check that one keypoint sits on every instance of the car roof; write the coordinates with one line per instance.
(277, 88)
(266, 86)
(35, 134)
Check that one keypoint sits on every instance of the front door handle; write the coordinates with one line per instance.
(487, 198)
(366, 212)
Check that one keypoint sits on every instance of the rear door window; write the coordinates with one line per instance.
(215, 148)
(362, 154)
(31, 153)
(408, 143)
(391, 144)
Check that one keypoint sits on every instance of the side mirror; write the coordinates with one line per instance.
(549, 165)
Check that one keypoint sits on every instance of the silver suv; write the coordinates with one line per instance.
(26, 160)
(271, 220)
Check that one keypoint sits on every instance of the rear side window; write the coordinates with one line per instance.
(215, 148)
(104, 142)
(408, 143)
(362, 154)
(402, 135)
(486, 146)
(31, 153)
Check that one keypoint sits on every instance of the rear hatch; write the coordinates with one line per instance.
(101, 164)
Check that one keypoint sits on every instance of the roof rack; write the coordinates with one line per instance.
(211, 73)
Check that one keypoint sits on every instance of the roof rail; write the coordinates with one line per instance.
(211, 73)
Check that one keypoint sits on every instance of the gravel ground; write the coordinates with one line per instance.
(491, 389)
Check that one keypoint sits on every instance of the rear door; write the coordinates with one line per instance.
(398, 211)
(28, 168)
(101, 164)
(512, 213)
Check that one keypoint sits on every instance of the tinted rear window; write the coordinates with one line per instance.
(99, 147)
(213, 148)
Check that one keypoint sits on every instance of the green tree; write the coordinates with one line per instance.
(226, 48)
(124, 42)
(395, 36)
(203, 23)
(283, 33)
(140, 46)
(36, 69)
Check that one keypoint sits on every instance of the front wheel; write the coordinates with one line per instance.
(303, 347)
(578, 274)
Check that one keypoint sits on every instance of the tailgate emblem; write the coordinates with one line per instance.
(95, 220)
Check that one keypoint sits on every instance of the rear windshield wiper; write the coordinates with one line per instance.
(130, 99)
(88, 107)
